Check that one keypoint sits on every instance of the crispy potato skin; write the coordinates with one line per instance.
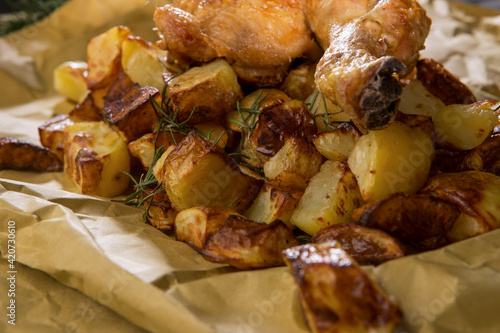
(336, 294)
(485, 157)
(418, 219)
(161, 213)
(279, 122)
(51, 134)
(246, 244)
(367, 246)
(133, 113)
(86, 111)
(22, 155)
(442, 84)
(475, 193)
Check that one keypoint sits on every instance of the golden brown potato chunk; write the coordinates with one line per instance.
(476, 194)
(337, 144)
(247, 244)
(273, 204)
(161, 214)
(442, 83)
(417, 219)
(199, 173)
(86, 111)
(22, 155)
(51, 134)
(293, 165)
(70, 80)
(104, 57)
(133, 113)
(196, 225)
(144, 148)
(205, 93)
(336, 294)
(367, 246)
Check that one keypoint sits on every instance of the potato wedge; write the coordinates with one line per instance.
(247, 244)
(133, 113)
(104, 57)
(293, 165)
(205, 93)
(94, 155)
(70, 80)
(273, 204)
(395, 159)
(143, 62)
(22, 155)
(199, 173)
(476, 194)
(336, 294)
(442, 84)
(196, 225)
(367, 246)
(330, 198)
(338, 144)
(417, 219)
(465, 126)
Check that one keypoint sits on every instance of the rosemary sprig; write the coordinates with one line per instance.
(326, 115)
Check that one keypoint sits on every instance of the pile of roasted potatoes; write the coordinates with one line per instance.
(244, 176)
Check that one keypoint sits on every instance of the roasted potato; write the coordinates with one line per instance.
(417, 100)
(145, 147)
(442, 84)
(133, 113)
(104, 53)
(199, 173)
(70, 80)
(247, 244)
(196, 225)
(475, 193)
(330, 198)
(143, 62)
(86, 111)
(160, 212)
(273, 204)
(367, 246)
(325, 113)
(465, 126)
(94, 155)
(417, 219)
(336, 294)
(299, 82)
(338, 144)
(205, 93)
(22, 155)
(485, 157)
(293, 165)
(51, 134)
(395, 159)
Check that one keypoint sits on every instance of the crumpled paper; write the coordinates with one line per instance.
(89, 264)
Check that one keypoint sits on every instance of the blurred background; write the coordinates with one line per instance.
(15, 14)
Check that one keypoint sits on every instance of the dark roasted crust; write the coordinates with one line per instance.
(443, 84)
(21, 155)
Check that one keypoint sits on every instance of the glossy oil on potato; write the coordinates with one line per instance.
(336, 294)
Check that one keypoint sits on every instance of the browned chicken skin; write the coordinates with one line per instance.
(367, 44)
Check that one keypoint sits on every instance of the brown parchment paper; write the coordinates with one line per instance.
(87, 264)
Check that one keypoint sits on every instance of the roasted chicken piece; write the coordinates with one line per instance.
(336, 294)
(260, 37)
(367, 44)
(22, 155)
(367, 246)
